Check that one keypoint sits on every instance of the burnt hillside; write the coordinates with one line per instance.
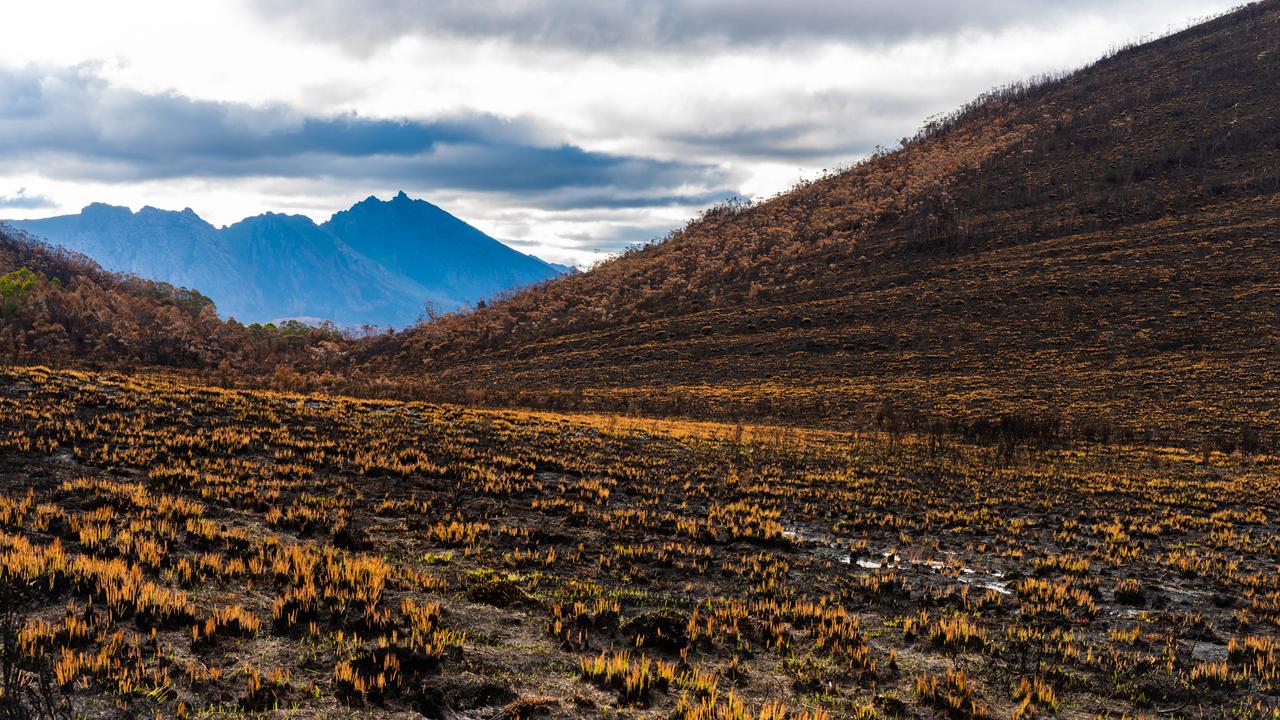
(60, 307)
(1104, 246)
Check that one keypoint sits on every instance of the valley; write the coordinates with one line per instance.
(983, 425)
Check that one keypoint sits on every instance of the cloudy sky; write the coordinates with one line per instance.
(567, 128)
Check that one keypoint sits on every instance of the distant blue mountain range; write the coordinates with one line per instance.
(378, 263)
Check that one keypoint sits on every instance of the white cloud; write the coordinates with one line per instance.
(765, 97)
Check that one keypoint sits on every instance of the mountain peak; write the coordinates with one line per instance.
(433, 248)
(400, 200)
(100, 209)
(276, 219)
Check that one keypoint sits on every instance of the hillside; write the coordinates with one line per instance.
(1101, 247)
(377, 263)
(60, 307)
(178, 247)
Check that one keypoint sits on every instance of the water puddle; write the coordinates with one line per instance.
(832, 548)
(987, 581)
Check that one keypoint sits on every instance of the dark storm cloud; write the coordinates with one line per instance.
(618, 238)
(574, 198)
(803, 141)
(74, 125)
(609, 26)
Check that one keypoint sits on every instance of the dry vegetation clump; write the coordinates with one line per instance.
(187, 550)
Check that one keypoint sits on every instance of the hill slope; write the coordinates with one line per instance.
(179, 247)
(377, 263)
(1102, 246)
(58, 306)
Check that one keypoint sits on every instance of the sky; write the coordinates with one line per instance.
(567, 128)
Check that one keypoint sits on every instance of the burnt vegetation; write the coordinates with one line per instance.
(193, 551)
(58, 306)
(1003, 443)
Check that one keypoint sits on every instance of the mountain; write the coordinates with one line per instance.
(290, 267)
(1099, 248)
(378, 263)
(435, 249)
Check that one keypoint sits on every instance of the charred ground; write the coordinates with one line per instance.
(193, 551)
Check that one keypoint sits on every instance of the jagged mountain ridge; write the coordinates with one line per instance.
(378, 263)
